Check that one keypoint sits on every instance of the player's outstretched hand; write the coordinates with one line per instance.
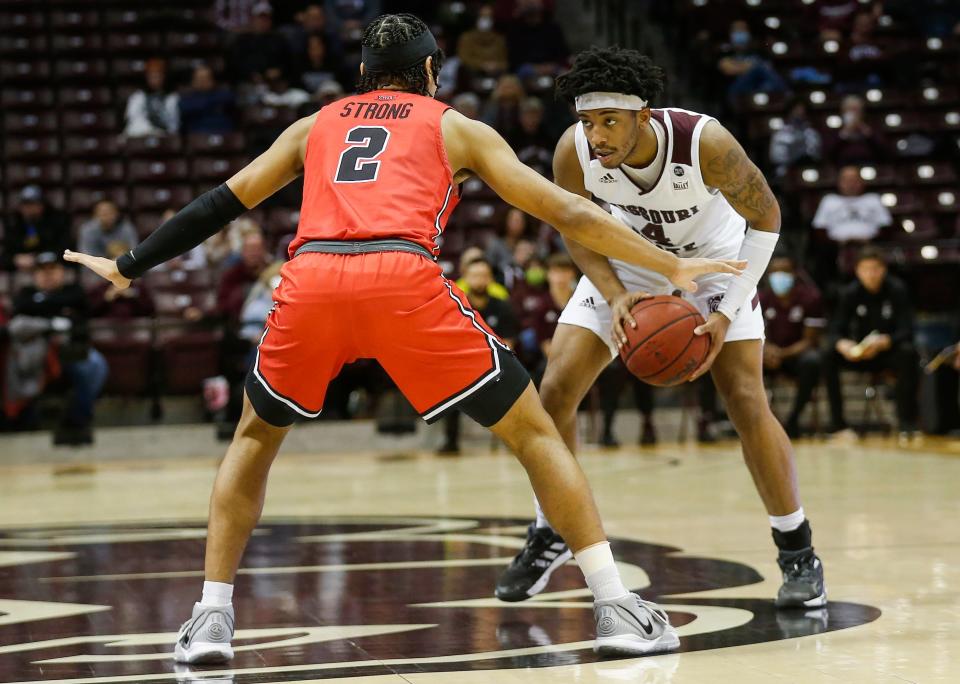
(105, 268)
(689, 269)
(620, 307)
(716, 327)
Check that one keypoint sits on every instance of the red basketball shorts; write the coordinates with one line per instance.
(395, 307)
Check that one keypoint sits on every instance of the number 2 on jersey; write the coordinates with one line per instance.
(358, 162)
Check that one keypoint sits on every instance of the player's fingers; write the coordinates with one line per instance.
(619, 335)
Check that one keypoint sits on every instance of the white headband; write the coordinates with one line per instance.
(601, 100)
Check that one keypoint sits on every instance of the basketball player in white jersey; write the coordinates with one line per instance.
(681, 180)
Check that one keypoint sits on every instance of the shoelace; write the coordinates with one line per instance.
(801, 567)
(654, 609)
(533, 550)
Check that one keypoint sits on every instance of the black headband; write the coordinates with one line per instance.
(399, 56)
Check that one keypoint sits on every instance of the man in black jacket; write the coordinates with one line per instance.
(872, 330)
(34, 227)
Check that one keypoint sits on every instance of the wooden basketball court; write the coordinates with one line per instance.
(379, 567)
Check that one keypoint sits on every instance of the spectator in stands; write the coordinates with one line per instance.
(863, 42)
(259, 49)
(328, 92)
(467, 104)
(835, 18)
(49, 338)
(236, 281)
(222, 250)
(844, 222)
(856, 142)
(311, 21)
(277, 91)
(206, 107)
(502, 110)
(796, 142)
(259, 302)
(194, 260)
(471, 254)
(540, 307)
(154, 109)
(871, 330)
(515, 227)
(33, 227)
(745, 68)
(483, 49)
(794, 320)
(535, 42)
(319, 66)
(532, 131)
(496, 313)
(106, 234)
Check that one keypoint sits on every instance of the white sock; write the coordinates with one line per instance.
(788, 523)
(600, 571)
(216, 594)
(541, 518)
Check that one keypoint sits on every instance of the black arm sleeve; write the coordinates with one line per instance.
(193, 224)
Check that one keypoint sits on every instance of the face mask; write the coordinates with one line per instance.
(484, 23)
(781, 282)
(535, 276)
(740, 38)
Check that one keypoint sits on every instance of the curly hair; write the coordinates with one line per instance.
(612, 69)
(390, 29)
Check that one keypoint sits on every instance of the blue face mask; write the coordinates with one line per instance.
(781, 282)
(740, 38)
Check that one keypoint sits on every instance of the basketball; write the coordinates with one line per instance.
(663, 349)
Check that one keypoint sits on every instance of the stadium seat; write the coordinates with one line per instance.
(146, 222)
(281, 221)
(76, 71)
(30, 124)
(89, 121)
(29, 149)
(179, 281)
(22, 23)
(187, 358)
(31, 72)
(48, 173)
(79, 98)
(154, 146)
(183, 42)
(82, 199)
(216, 168)
(106, 172)
(26, 100)
(80, 44)
(127, 346)
(139, 44)
(159, 198)
(91, 146)
(157, 170)
(215, 143)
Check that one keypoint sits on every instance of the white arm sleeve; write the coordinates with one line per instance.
(757, 249)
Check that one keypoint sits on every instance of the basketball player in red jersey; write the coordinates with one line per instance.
(381, 171)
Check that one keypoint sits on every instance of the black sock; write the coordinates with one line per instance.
(794, 540)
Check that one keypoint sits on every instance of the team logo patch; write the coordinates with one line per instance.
(681, 185)
(678, 171)
(349, 597)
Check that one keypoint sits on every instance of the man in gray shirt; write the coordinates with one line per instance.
(106, 234)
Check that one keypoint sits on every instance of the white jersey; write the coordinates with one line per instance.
(679, 213)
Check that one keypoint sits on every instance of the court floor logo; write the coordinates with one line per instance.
(340, 597)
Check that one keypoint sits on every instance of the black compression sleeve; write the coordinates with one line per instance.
(193, 224)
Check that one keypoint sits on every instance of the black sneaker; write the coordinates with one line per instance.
(803, 585)
(530, 570)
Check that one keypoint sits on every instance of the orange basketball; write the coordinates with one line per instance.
(663, 349)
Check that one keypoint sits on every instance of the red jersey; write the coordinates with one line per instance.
(376, 168)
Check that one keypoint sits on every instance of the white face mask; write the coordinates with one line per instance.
(484, 23)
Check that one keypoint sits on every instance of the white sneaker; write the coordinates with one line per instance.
(630, 626)
(205, 637)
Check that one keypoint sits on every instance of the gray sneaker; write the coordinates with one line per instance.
(803, 585)
(630, 626)
(205, 637)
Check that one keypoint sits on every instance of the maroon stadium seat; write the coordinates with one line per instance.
(179, 281)
(90, 121)
(27, 149)
(14, 46)
(82, 199)
(128, 71)
(86, 146)
(141, 44)
(25, 71)
(216, 168)
(152, 198)
(81, 44)
(80, 98)
(30, 124)
(27, 100)
(180, 42)
(127, 346)
(147, 222)
(107, 172)
(154, 146)
(70, 20)
(188, 358)
(157, 170)
(76, 71)
(282, 221)
(262, 115)
(53, 195)
(48, 173)
(22, 23)
(215, 143)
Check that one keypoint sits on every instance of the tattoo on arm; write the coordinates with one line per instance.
(741, 183)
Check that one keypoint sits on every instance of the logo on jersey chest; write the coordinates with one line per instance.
(660, 216)
(679, 172)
